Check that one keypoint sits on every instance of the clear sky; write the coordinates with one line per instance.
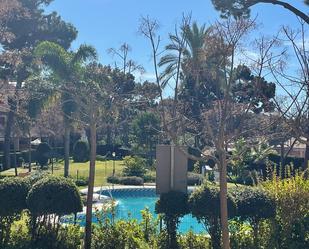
(109, 23)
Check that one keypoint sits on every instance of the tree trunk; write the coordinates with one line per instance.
(10, 124)
(306, 161)
(223, 201)
(29, 152)
(15, 160)
(93, 153)
(66, 149)
(7, 137)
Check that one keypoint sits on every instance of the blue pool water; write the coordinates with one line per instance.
(133, 206)
(132, 201)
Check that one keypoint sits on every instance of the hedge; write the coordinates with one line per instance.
(126, 180)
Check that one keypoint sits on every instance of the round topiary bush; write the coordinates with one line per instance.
(13, 193)
(54, 195)
(81, 152)
(42, 154)
(204, 204)
(253, 206)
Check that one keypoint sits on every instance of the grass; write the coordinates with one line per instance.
(103, 170)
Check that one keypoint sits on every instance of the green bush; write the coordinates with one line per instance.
(255, 205)
(194, 241)
(13, 193)
(127, 180)
(54, 195)
(134, 166)
(150, 176)
(118, 235)
(204, 204)
(292, 211)
(43, 154)
(173, 205)
(82, 181)
(81, 152)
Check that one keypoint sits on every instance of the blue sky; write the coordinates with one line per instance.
(109, 23)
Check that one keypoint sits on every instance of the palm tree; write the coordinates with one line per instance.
(67, 66)
(185, 57)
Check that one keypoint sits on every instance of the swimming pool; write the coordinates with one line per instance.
(130, 203)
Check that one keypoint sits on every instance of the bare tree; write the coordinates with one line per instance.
(128, 65)
(294, 82)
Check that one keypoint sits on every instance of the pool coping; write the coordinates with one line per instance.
(124, 187)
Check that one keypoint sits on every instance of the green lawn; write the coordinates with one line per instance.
(103, 170)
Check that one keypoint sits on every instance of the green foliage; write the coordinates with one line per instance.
(194, 241)
(81, 152)
(121, 234)
(54, 195)
(172, 205)
(134, 166)
(255, 204)
(126, 180)
(292, 214)
(145, 129)
(204, 204)
(197, 167)
(68, 237)
(43, 154)
(13, 193)
(82, 181)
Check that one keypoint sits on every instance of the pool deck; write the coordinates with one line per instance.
(115, 187)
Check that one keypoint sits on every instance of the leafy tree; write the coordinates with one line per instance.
(240, 8)
(67, 66)
(134, 166)
(27, 24)
(145, 129)
(81, 151)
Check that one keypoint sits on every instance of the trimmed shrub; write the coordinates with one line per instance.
(43, 154)
(134, 166)
(81, 152)
(173, 205)
(255, 205)
(127, 180)
(54, 195)
(204, 204)
(82, 181)
(13, 193)
(194, 179)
